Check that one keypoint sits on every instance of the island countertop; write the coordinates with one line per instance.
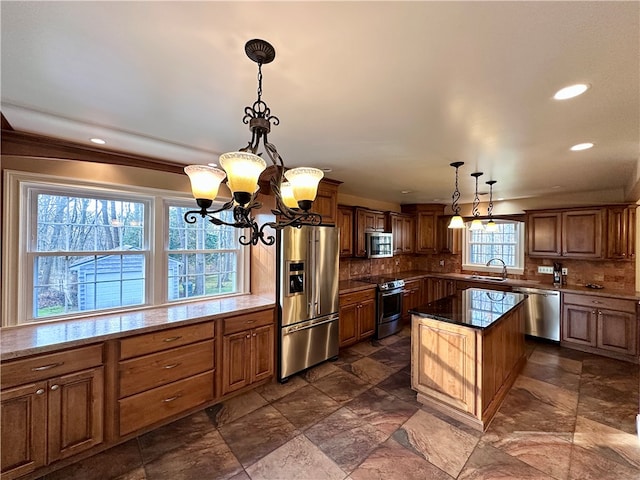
(477, 308)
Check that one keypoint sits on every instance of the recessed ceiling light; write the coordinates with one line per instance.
(98, 141)
(571, 91)
(581, 146)
(404, 192)
(327, 170)
(555, 187)
(436, 200)
(500, 198)
(212, 164)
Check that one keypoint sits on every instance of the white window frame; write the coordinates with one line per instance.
(18, 228)
(495, 267)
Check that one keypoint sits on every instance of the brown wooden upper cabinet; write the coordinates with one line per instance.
(621, 232)
(366, 221)
(326, 202)
(345, 224)
(403, 227)
(426, 225)
(576, 233)
(449, 240)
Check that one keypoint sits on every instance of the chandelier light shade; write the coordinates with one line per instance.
(242, 169)
(476, 223)
(456, 220)
(491, 225)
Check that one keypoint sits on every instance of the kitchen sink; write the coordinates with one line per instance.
(483, 278)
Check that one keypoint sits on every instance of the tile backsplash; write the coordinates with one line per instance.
(613, 275)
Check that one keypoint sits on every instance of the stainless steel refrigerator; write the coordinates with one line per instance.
(308, 297)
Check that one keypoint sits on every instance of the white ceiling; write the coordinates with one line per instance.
(386, 94)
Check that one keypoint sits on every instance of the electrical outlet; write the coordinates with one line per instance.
(442, 263)
(565, 271)
(545, 270)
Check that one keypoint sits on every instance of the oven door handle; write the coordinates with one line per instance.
(392, 292)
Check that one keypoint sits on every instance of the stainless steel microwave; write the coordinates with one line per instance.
(379, 244)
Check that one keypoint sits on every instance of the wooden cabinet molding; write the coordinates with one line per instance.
(601, 325)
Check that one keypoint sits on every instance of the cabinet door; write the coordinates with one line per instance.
(618, 332)
(236, 361)
(345, 223)
(364, 222)
(76, 407)
(408, 234)
(582, 234)
(579, 325)
(545, 234)
(380, 221)
(366, 319)
(326, 203)
(449, 240)
(426, 232)
(348, 324)
(397, 229)
(262, 356)
(23, 412)
(621, 240)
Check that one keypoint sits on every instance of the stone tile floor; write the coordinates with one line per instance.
(569, 415)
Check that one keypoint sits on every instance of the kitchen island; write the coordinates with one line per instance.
(466, 351)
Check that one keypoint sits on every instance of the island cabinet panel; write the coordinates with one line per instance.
(445, 363)
(462, 371)
(602, 325)
(52, 407)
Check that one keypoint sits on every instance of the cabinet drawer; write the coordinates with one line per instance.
(147, 408)
(50, 365)
(240, 323)
(150, 371)
(618, 304)
(164, 339)
(357, 297)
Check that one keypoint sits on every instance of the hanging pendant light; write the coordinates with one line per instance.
(491, 225)
(456, 220)
(476, 223)
(242, 169)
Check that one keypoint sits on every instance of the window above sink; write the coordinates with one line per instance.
(508, 244)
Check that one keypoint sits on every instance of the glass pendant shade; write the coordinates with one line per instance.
(286, 191)
(304, 183)
(243, 170)
(456, 222)
(205, 181)
(491, 226)
(476, 225)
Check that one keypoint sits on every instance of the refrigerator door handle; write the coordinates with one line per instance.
(307, 325)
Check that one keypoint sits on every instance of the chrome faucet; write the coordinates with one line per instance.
(504, 266)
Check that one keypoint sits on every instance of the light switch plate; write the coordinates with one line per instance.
(565, 271)
(545, 270)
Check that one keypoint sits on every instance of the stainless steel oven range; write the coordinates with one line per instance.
(389, 304)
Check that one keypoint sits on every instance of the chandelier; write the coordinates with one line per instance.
(294, 189)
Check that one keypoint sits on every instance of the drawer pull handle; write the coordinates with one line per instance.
(40, 391)
(47, 367)
(169, 367)
(172, 339)
(596, 302)
(171, 399)
(55, 387)
(250, 321)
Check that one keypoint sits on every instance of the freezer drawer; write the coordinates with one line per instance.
(307, 344)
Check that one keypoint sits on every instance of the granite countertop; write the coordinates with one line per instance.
(37, 338)
(477, 308)
(350, 286)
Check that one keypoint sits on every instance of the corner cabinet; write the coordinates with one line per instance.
(403, 228)
(345, 224)
(601, 325)
(426, 225)
(621, 232)
(357, 316)
(248, 354)
(51, 408)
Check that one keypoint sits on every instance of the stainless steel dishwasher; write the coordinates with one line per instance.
(542, 318)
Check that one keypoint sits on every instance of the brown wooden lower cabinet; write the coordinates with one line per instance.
(411, 298)
(357, 316)
(601, 325)
(55, 417)
(438, 288)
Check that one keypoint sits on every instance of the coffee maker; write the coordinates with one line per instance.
(557, 274)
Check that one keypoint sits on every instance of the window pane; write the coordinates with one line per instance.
(77, 224)
(482, 246)
(202, 274)
(65, 284)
